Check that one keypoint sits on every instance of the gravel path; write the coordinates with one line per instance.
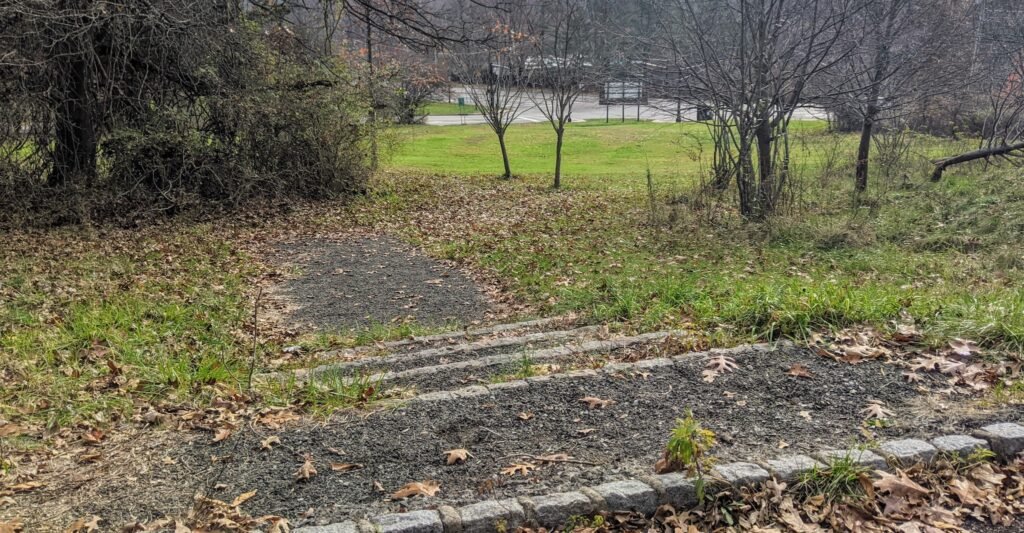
(364, 281)
(755, 411)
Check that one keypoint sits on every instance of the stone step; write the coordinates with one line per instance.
(477, 368)
(451, 354)
(380, 350)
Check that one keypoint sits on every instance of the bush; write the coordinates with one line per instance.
(222, 114)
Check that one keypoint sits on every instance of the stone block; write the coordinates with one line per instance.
(629, 495)
(340, 527)
(411, 522)
(962, 445)
(680, 490)
(1006, 439)
(487, 516)
(908, 451)
(863, 458)
(554, 510)
(789, 467)
(741, 474)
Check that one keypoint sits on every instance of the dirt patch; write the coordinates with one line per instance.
(755, 411)
(366, 280)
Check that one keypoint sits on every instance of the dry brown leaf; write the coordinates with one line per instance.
(554, 458)
(10, 430)
(269, 442)
(26, 486)
(876, 409)
(899, 485)
(93, 437)
(417, 488)
(594, 402)
(963, 347)
(221, 434)
(11, 527)
(84, 525)
(521, 468)
(799, 371)
(307, 470)
(242, 498)
(458, 455)
(345, 467)
(717, 365)
(524, 416)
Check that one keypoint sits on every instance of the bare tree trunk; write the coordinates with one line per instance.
(765, 170)
(745, 178)
(864, 149)
(558, 157)
(74, 155)
(983, 153)
(504, 155)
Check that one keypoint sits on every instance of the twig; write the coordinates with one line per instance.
(552, 460)
(255, 339)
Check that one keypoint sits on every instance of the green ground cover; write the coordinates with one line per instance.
(445, 108)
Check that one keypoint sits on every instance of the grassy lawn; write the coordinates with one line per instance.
(445, 108)
(96, 325)
(606, 156)
(948, 255)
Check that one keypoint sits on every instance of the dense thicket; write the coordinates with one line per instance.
(115, 108)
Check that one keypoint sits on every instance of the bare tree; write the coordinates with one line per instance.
(905, 52)
(999, 64)
(495, 78)
(561, 34)
(753, 62)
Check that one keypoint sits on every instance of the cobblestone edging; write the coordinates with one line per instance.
(564, 351)
(460, 335)
(646, 493)
(501, 342)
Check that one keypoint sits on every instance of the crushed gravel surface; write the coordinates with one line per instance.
(755, 412)
(362, 281)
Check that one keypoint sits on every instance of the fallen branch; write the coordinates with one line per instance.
(983, 153)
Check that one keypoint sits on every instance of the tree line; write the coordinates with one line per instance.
(114, 108)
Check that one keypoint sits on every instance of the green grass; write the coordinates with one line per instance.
(445, 108)
(837, 482)
(947, 254)
(598, 154)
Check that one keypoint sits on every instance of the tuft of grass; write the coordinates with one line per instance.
(330, 391)
(842, 480)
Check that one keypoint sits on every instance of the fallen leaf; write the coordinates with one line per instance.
(594, 402)
(524, 416)
(345, 467)
(417, 488)
(307, 470)
(456, 456)
(10, 430)
(554, 458)
(799, 371)
(717, 365)
(93, 437)
(899, 484)
(269, 442)
(26, 486)
(11, 527)
(221, 434)
(876, 409)
(242, 498)
(585, 431)
(806, 415)
(84, 525)
(963, 347)
(521, 468)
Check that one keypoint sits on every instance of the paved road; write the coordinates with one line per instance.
(587, 108)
